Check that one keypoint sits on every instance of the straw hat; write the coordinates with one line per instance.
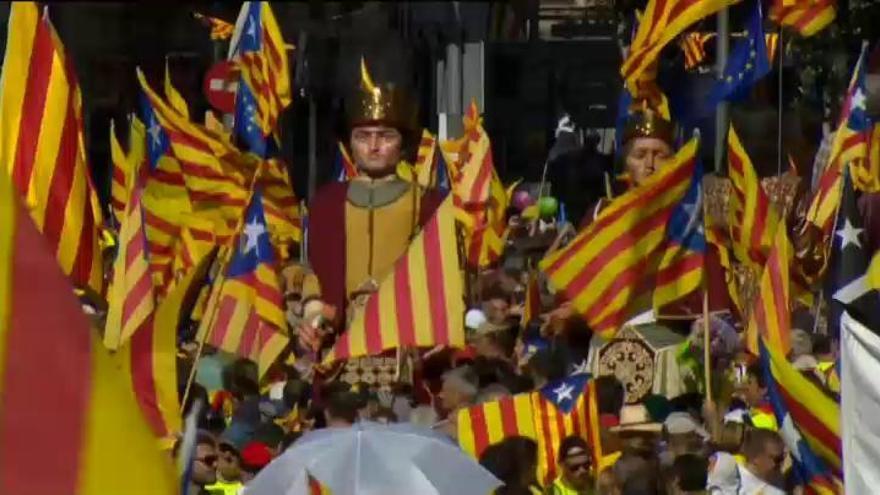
(635, 418)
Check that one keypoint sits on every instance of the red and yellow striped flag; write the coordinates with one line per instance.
(866, 173)
(753, 219)
(220, 29)
(42, 144)
(772, 42)
(131, 298)
(68, 422)
(425, 164)
(609, 271)
(532, 303)
(245, 314)
(548, 416)
(807, 17)
(478, 194)
(419, 304)
(771, 313)
(149, 360)
(175, 99)
(693, 46)
(118, 176)
(280, 203)
(662, 22)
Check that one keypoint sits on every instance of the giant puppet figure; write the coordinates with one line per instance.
(359, 228)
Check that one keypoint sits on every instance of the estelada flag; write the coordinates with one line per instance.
(42, 145)
(419, 304)
(68, 421)
(549, 415)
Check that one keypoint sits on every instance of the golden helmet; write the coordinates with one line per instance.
(648, 123)
(386, 104)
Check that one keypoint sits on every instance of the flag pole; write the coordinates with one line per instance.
(780, 49)
(227, 256)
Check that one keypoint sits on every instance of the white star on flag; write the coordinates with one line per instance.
(693, 211)
(563, 392)
(252, 232)
(858, 99)
(580, 368)
(849, 235)
(155, 132)
(252, 27)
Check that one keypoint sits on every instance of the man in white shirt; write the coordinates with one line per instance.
(760, 474)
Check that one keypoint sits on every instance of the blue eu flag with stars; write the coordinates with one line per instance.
(747, 64)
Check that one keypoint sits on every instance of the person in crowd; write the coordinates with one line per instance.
(204, 463)
(575, 466)
(229, 471)
(491, 393)
(759, 472)
(514, 461)
(754, 393)
(459, 390)
(689, 473)
(342, 409)
(801, 354)
(254, 457)
(683, 435)
(636, 474)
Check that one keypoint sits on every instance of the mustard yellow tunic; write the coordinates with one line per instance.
(380, 219)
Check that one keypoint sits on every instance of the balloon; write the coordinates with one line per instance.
(548, 207)
(522, 200)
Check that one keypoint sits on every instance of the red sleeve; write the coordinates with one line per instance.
(326, 242)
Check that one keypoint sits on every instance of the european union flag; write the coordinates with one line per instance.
(685, 226)
(247, 123)
(747, 63)
(254, 246)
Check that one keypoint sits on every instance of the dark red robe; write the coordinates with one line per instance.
(326, 238)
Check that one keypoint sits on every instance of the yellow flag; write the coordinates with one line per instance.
(173, 96)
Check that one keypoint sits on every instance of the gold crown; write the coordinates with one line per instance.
(380, 104)
(648, 123)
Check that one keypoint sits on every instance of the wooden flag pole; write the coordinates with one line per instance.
(707, 362)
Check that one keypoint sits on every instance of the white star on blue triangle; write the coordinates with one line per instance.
(685, 225)
(157, 139)
(565, 393)
(253, 245)
(857, 99)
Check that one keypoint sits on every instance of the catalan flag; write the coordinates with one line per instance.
(419, 304)
(220, 29)
(131, 298)
(809, 422)
(548, 415)
(245, 310)
(479, 196)
(609, 271)
(663, 21)
(427, 160)
(850, 144)
(42, 143)
(869, 174)
(806, 17)
(175, 99)
(68, 422)
(119, 167)
(149, 359)
(771, 314)
(753, 219)
(532, 303)
(264, 89)
(344, 166)
(280, 202)
(693, 45)
(771, 40)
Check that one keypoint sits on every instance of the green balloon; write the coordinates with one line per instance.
(548, 206)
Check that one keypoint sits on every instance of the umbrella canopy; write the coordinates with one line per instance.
(370, 458)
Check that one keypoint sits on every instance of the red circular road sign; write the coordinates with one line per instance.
(220, 85)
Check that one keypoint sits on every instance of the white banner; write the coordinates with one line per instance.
(860, 406)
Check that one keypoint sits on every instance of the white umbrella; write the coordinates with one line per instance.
(373, 459)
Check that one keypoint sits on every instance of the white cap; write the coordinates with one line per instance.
(473, 319)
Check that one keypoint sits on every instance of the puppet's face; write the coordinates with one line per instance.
(376, 149)
(644, 157)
